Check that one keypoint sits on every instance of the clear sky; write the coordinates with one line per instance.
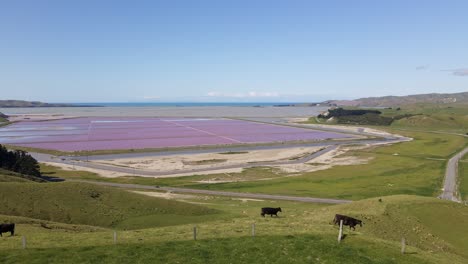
(222, 50)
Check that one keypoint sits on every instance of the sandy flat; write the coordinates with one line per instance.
(326, 161)
(77, 167)
(208, 161)
(167, 195)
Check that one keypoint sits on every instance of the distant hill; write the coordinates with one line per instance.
(21, 103)
(3, 117)
(387, 101)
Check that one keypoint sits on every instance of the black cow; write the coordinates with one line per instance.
(347, 220)
(5, 228)
(270, 211)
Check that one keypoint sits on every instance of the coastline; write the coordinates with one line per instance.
(173, 111)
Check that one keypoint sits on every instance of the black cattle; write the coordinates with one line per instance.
(270, 211)
(347, 220)
(5, 228)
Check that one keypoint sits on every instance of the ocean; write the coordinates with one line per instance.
(189, 104)
(178, 109)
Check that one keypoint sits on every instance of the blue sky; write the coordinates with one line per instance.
(105, 51)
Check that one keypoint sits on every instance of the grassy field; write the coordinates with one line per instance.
(463, 174)
(78, 203)
(264, 249)
(302, 234)
(10, 176)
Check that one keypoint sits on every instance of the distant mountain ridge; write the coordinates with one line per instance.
(21, 103)
(387, 101)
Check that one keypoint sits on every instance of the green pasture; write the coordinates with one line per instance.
(463, 174)
(262, 249)
(303, 233)
(79, 203)
(10, 176)
(382, 175)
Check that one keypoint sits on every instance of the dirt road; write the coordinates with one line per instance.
(218, 193)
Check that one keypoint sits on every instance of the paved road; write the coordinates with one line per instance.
(218, 193)
(450, 191)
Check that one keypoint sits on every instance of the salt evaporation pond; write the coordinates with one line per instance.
(113, 133)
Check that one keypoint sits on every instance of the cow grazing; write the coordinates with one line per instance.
(5, 228)
(270, 211)
(347, 220)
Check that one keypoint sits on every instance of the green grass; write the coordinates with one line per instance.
(383, 175)
(52, 171)
(264, 249)
(463, 177)
(10, 176)
(433, 229)
(78, 203)
(425, 145)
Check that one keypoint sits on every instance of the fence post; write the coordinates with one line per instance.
(195, 233)
(115, 237)
(253, 229)
(340, 234)
(24, 242)
(403, 245)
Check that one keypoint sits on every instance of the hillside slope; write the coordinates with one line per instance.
(10, 176)
(391, 101)
(303, 233)
(78, 203)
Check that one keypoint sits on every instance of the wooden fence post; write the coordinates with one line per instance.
(195, 233)
(403, 245)
(115, 237)
(253, 229)
(24, 242)
(340, 234)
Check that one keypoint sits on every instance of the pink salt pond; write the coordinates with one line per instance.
(89, 134)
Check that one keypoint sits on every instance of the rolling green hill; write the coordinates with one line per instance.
(10, 176)
(386, 101)
(302, 234)
(78, 203)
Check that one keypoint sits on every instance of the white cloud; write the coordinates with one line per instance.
(422, 67)
(151, 97)
(459, 72)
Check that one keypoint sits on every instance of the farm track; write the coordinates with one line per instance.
(217, 193)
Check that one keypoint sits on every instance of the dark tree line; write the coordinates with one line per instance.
(19, 161)
(338, 112)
